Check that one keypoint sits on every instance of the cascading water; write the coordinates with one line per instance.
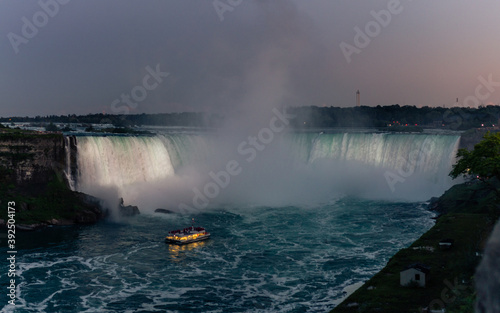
(266, 257)
(110, 167)
(186, 149)
(119, 161)
(410, 167)
(67, 169)
(371, 164)
(432, 155)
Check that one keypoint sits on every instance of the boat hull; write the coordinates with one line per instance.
(188, 241)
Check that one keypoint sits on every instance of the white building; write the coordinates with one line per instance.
(417, 273)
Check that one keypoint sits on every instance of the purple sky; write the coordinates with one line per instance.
(100, 55)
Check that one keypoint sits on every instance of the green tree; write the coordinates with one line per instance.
(482, 162)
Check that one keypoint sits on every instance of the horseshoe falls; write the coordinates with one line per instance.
(300, 168)
(305, 221)
(426, 153)
(118, 161)
(387, 166)
(133, 167)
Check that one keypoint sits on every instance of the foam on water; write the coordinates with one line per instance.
(266, 259)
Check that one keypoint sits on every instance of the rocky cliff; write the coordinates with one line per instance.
(31, 157)
(32, 175)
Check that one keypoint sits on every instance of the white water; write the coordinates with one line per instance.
(297, 169)
(67, 170)
(300, 258)
(117, 161)
(431, 155)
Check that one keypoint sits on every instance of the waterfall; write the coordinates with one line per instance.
(69, 169)
(186, 149)
(170, 169)
(118, 161)
(432, 155)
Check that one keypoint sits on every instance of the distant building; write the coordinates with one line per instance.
(358, 100)
(414, 273)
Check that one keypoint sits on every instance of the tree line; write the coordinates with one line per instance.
(455, 118)
(395, 116)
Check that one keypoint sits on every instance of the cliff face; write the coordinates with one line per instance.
(32, 167)
(31, 158)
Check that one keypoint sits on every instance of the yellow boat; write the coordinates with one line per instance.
(187, 235)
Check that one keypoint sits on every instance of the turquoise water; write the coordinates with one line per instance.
(292, 241)
(259, 259)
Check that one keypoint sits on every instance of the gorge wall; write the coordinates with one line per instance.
(30, 157)
(32, 176)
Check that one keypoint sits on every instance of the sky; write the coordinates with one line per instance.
(60, 57)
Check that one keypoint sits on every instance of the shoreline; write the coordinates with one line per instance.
(464, 214)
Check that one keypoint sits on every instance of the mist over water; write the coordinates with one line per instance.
(296, 219)
(304, 169)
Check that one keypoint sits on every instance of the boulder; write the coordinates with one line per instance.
(93, 209)
(164, 211)
(127, 210)
(30, 227)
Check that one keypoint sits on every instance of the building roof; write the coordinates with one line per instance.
(419, 267)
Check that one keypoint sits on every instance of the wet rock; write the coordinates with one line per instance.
(87, 217)
(127, 210)
(434, 203)
(92, 212)
(30, 227)
(60, 222)
(165, 211)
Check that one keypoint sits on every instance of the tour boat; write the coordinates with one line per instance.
(187, 235)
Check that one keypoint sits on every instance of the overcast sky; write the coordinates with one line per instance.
(79, 57)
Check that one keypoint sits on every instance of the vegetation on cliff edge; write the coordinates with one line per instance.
(41, 205)
(483, 162)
